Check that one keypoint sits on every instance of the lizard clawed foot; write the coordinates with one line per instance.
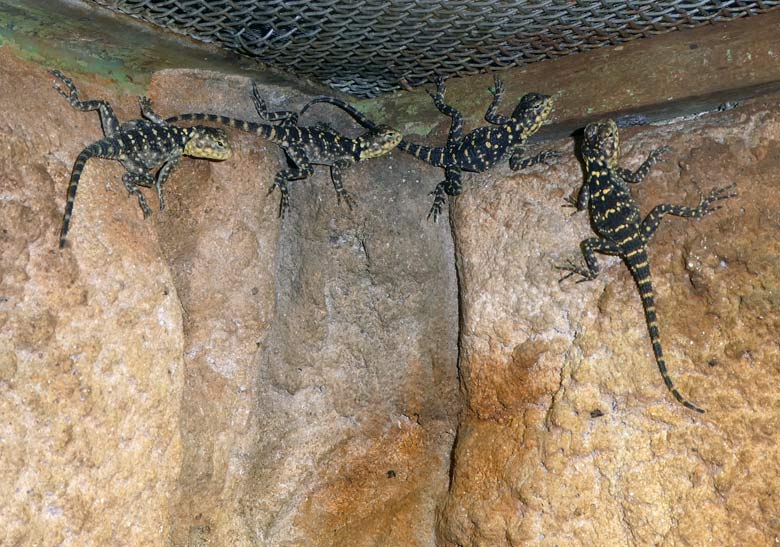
(147, 211)
(145, 103)
(344, 195)
(67, 82)
(498, 87)
(438, 202)
(658, 154)
(284, 202)
(439, 94)
(158, 188)
(435, 211)
(574, 269)
(284, 206)
(571, 201)
(716, 194)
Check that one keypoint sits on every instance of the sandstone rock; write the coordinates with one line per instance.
(91, 368)
(320, 349)
(571, 437)
(217, 376)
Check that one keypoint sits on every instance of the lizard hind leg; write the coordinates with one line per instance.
(108, 119)
(302, 169)
(280, 181)
(589, 247)
(290, 118)
(132, 182)
(705, 207)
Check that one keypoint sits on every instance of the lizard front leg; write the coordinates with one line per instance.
(492, 116)
(450, 186)
(336, 172)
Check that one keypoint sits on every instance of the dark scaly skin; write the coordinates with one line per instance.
(140, 145)
(620, 228)
(307, 146)
(481, 148)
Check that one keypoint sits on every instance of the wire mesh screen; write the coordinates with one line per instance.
(367, 47)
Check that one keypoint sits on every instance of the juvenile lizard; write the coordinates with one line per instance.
(307, 146)
(620, 228)
(478, 150)
(141, 145)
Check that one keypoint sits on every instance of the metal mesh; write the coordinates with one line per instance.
(367, 47)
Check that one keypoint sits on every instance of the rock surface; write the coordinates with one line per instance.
(91, 340)
(215, 375)
(570, 436)
(320, 396)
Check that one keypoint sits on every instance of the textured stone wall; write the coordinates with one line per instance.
(217, 376)
(535, 463)
(91, 339)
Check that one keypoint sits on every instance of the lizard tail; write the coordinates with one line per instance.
(432, 155)
(261, 129)
(429, 154)
(346, 107)
(78, 168)
(640, 269)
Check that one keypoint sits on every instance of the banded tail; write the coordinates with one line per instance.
(429, 154)
(346, 107)
(78, 167)
(432, 155)
(263, 130)
(640, 269)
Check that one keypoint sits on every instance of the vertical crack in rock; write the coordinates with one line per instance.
(310, 391)
(655, 491)
(344, 425)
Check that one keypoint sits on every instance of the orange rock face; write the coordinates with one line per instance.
(91, 338)
(571, 437)
(214, 375)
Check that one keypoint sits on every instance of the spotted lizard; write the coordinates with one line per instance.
(307, 146)
(141, 145)
(620, 228)
(478, 150)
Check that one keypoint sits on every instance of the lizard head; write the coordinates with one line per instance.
(601, 143)
(378, 142)
(531, 112)
(208, 142)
